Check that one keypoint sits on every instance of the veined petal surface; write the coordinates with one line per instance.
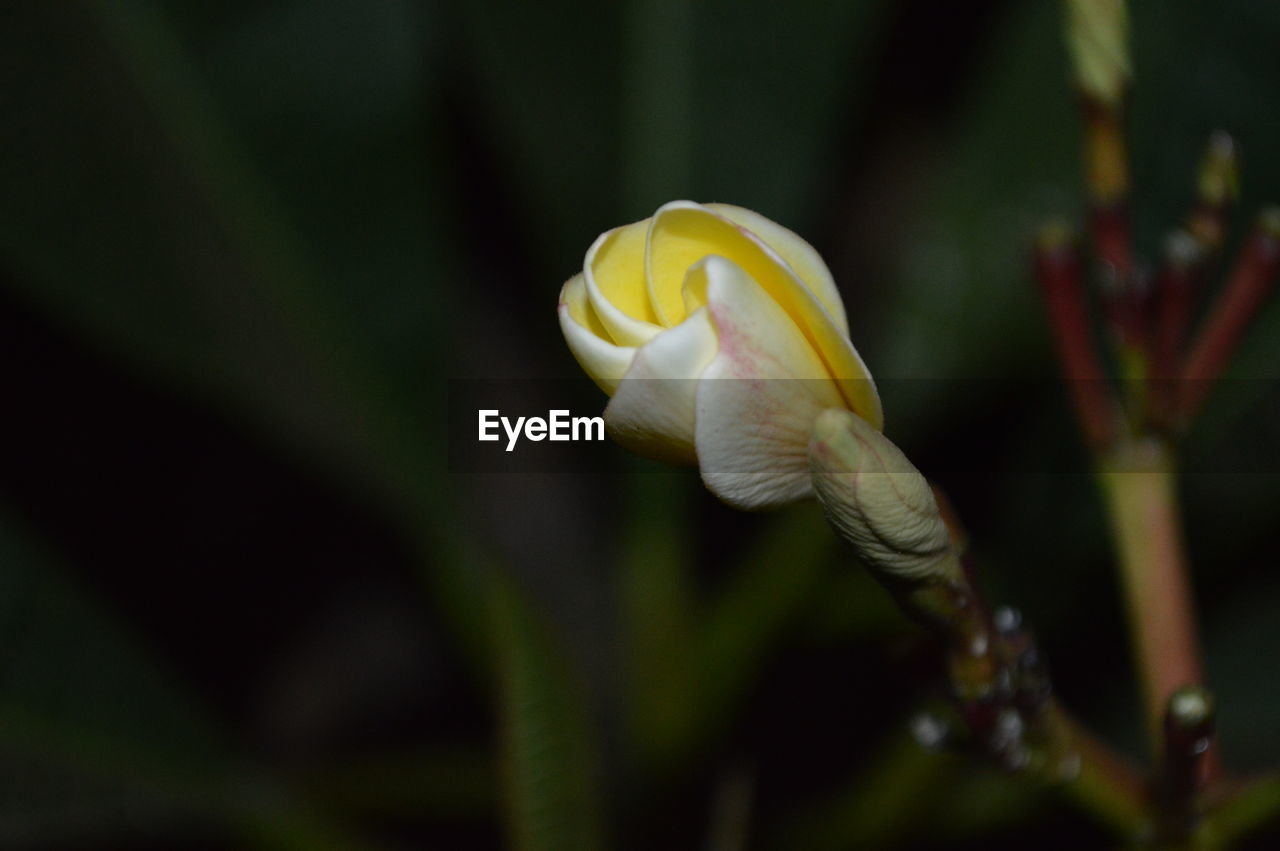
(759, 397)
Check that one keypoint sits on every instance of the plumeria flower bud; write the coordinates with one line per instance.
(720, 336)
(880, 503)
(1098, 39)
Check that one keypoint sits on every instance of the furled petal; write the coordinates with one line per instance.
(614, 275)
(654, 411)
(588, 339)
(759, 396)
(880, 503)
(681, 233)
(803, 259)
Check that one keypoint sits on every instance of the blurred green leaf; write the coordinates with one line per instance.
(1240, 633)
(986, 801)
(851, 605)
(331, 102)
(548, 743)
(179, 260)
(99, 742)
(658, 617)
(680, 699)
(657, 115)
(442, 782)
(776, 87)
(745, 620)
(883, 804)
(184, 261)
(1181, 96)
(736, 102)
(548, 91)
(86, 720)
(963, 300)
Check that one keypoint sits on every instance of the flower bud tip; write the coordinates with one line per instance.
(1181, 250)
(1098, 38)
(1191, 707)
(1219, 179)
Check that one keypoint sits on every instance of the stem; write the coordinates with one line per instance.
(1245, 808)
(1107, 181)
(1235, 309)
(657, 57)
(996, 675)
(1188, 735)
(1175, 288)
(1137, 481)
(1057, 268)
(1188, 254)
(1107, 785)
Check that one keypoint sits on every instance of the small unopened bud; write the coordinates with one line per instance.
(1181, 251)
(878, 502)
(930, 731)
(1218, 182)
(1098, 38)
(1191, 708)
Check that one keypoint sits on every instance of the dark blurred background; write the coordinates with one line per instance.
(244, 246)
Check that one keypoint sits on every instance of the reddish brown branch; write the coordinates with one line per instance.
(1174, 294)
(1235, 308)
(1057, 265)
(1189, 760)
(1106, 162)
(1188, 254)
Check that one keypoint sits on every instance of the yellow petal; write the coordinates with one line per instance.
(598, 356)
(803, 259)
(682, 233)
(759, 396)
(614, 275)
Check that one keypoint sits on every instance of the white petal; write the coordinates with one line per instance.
(654, 409)
(599, 357)
(758, 397)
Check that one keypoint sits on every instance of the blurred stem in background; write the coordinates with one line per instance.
(1236, 308)
(1135, 473)
(1137, 480)
(657, 120)
(657, 579)
(1134, 454)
